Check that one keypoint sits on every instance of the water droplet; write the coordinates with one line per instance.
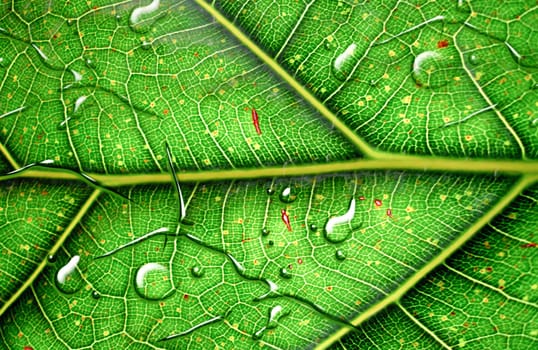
(68, 279)
(275, 314)
(153, 282)
(473, 59)
(96, 295)
(146, 45)
(273, 288)
(270, 191)
(79, 103)
(240, 268)
(89, 62)
(197, 271)
(51, 258)
(285, 273)
(271, 243)
(330, 44)
(344, 63)
(313, 228)
(340, 255)
(535, 86)
(2, 62)
(142, 17)
(432, 69)
(288, 195)
(70, 22)
(334, 234)
(118, 17)
(265, 231)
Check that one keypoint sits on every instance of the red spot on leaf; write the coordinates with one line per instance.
(529, 245)
(186, 296)
(299, 261)
(378, 202)
(442, 43)
(362, 198)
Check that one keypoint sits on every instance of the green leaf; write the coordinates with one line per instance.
(349, 175)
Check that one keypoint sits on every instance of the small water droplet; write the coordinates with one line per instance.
(197, 271)
(340, 255)
(330, 44)
(270, 191)
(432, 68)
(146, 45)
(473, 59)
(344, 63)
(118, 17)
(265, 231)
(271, 243)
(96, 295)
(313, 228)
(89, 62)
(535, 86)
(2, 62)
(153, 282)
(68, 279)
(285, 273)
(51, 258)
(288, 195)
(70, 22)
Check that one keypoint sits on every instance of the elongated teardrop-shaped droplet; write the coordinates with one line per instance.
(344, 63)
(153, 282)
(334, 235)
(239, 268)
(433, 69)
(68, 279)
(273, 288)
(79, 103)
(197, 271)
(275, 314)
(288, 195)
(192, 329)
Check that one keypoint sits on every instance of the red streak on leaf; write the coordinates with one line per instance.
(256, 121)
(529, 245)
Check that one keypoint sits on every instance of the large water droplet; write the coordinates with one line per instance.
(273, 288)
(344, 63)
(68, 279)
(153, 282)
(80, 100)
(431, 69)
(288, 195)
(197, 271)
(335, 232)
(143, 17)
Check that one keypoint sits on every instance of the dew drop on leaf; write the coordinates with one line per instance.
(431, 69)
(271, 243)
(275, 314)
(68, 278)
(285, 273)
(265, 231)
(70, 22)
(313, 228)
(51, 258)
(288, 195)
(89, 62)
(146, 45)
(197, 271)
(340, 255)
(270, 191)
(96, 295)
(153, 282)
(345, 62)
(473, 59)
(335, 231)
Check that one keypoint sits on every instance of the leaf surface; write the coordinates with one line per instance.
(352, 175)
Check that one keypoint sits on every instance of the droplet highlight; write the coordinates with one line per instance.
(340, 255)
(153, 282)
(68, 279)
(344, 63)
(334, 235)
(288, 195)
(197, 271)
(285, 273)
(431, 69)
